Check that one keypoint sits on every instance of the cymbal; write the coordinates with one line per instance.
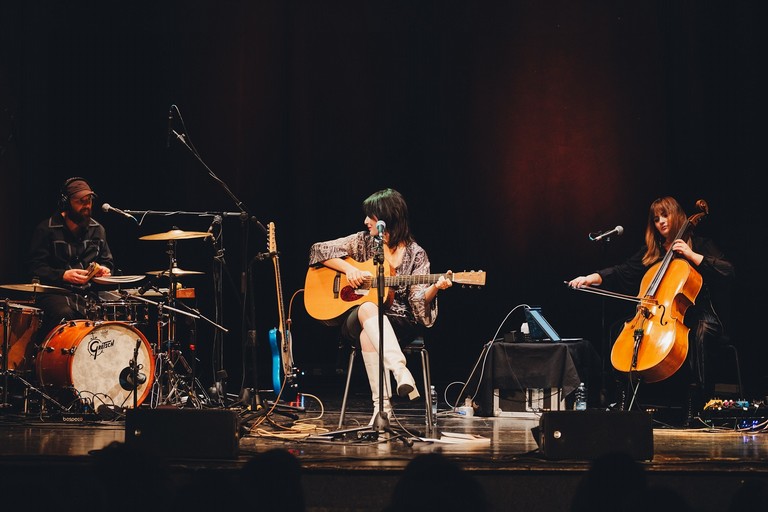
(176, 234)
(117, 279)
(33, 288)
(176, 272)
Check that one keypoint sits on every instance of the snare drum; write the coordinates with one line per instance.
(23, 323)
(128, 311)
(92, 359)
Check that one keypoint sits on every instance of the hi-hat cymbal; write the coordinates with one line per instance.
(34, 288)
(176, 272)
(176, 234)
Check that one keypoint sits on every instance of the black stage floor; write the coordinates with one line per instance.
(48, 460)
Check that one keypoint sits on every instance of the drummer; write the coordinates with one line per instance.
(62, 249)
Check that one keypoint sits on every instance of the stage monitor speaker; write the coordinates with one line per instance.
(184, 433)
(592, 433)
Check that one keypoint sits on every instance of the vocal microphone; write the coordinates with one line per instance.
(618, 231)
(109, 208)
(381, 226)
(170, 127)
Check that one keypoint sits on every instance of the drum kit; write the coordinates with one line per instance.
(104, 359)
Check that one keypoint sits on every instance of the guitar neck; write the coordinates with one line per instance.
(405, 280)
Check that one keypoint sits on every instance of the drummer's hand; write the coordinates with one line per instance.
(76, 276)
(103, 271)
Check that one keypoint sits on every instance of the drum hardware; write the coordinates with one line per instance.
(175, 380)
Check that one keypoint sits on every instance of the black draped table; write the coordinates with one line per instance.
(558, 367)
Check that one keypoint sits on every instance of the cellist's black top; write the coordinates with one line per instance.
(716, 272)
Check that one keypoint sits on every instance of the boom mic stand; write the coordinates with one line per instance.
(245, 220)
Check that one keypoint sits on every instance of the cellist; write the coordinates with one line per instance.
(665, 219)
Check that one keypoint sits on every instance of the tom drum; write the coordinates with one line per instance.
(22, 324)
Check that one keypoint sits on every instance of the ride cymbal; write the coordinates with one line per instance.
(34, 288)
(176, 234)
(176, 272)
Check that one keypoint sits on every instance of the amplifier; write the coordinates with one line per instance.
(184, 433)
(592, 433)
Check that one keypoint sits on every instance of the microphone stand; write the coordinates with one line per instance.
(245, 220)
(381, 421)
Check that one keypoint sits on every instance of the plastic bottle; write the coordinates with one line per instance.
(580, 403)
(433, 397)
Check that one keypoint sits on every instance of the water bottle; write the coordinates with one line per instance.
(580, 404)
(433, 397)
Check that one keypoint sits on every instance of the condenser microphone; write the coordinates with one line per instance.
(109, 208)
(381, 226)
(618, 231)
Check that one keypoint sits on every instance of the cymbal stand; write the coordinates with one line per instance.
(6, 335)
(169, 386)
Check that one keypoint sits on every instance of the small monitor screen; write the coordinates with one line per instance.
(538, 327)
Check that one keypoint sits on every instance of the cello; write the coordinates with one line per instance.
(654, 343)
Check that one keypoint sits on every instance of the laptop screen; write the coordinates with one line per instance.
(538, 327)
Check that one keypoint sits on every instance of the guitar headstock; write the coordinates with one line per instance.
(271, 241)
(471, 278)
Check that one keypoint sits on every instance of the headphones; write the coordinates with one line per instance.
(64, 196)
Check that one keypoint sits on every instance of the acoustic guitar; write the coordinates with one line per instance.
(328, 294)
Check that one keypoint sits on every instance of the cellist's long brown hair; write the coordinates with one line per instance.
(654, 242)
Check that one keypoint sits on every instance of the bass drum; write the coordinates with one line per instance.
(92, 359)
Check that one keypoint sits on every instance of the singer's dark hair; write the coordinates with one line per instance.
(389, 205)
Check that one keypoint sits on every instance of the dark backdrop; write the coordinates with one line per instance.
(513, 129)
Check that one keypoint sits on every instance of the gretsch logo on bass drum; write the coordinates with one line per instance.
(97, 346)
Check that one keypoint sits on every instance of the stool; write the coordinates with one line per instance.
(414, 347)
(723, 388)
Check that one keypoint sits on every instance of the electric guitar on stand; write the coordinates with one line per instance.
(283, 369)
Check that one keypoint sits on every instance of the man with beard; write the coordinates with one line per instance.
(66, 251)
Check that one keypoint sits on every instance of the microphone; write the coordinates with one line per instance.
(618, 231)
(170, 127)
(381, 226)
(216, 220)
(126, 378)
(109, 208)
